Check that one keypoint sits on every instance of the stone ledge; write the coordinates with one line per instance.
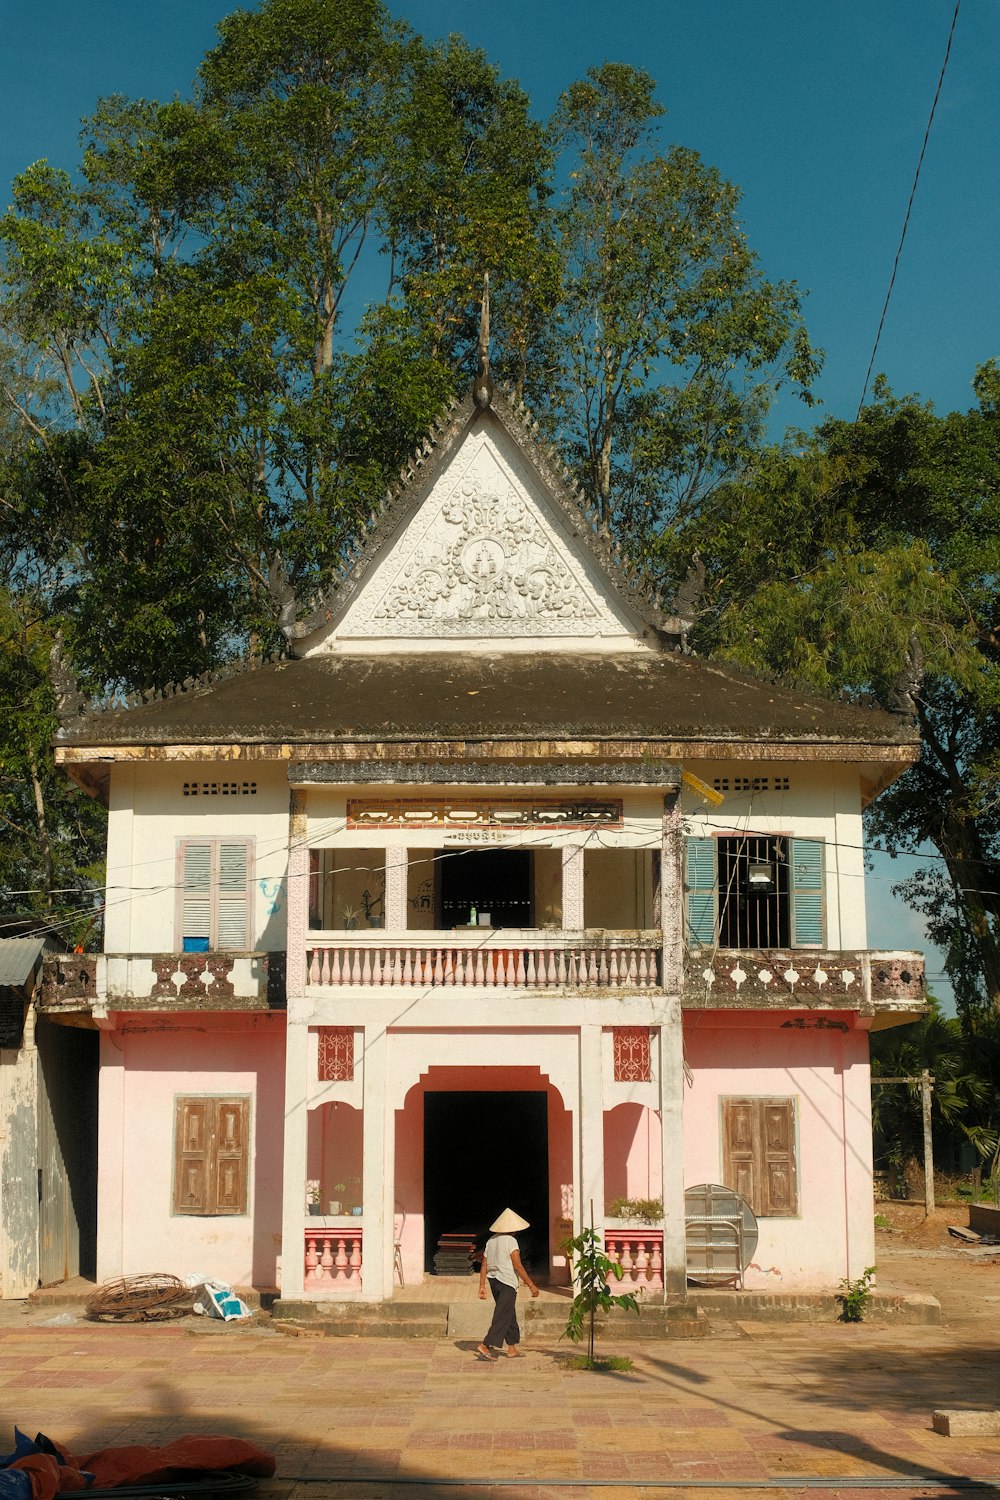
(813, 1307)
(967, 1423)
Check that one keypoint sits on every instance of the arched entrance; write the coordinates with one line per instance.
(484, 1152)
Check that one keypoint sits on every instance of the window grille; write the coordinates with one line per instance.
(632, 1055)
(336, 1054)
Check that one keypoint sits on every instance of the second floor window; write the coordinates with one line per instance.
(759, 891)
(214, 880)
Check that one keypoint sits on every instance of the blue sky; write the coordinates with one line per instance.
(816, 111)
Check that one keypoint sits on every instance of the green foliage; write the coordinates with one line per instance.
(591, 1272)
(855, 1296)
(881, 1222)
(645, 1210)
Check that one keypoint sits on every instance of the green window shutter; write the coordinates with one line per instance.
(232, 903)
(700, 882)
(805, 881)
(196, 890)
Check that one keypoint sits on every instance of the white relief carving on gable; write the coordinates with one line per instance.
(480, 560)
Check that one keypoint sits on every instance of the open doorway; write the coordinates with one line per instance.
(496, 884)
(484, 1152)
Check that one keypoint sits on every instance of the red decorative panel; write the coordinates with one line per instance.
(336, 1054)
(632, 1063)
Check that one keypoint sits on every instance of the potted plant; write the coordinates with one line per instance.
(628, 1211)
(312, 1196)
(336, 1205)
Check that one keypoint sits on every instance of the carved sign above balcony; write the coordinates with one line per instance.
(493, 812)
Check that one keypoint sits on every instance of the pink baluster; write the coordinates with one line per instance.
(643, 969)
(407, 972)
(656, 1262)
(612, 1245)
(437, 969)
(549, 960)
(592, 966)
(377, 956)
(325, 1268)
(480, 975)
(451, 960)
(642, 1262)
(314, 966)
(562, 970)
(341, 1261)
(355, 1272)
(626, 1262)
(366, 966)
(312, 1259)
(529, 973)
(520, 972)
(631, 975)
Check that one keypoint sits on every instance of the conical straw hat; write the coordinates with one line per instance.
(509, 1223)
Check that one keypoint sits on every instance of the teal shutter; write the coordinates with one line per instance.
(805, 879)
(700, 885)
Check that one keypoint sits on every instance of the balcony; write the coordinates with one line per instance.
(163, 981)
(487, 959)
(886, 985)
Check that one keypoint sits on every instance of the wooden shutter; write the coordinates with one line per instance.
(700, 883)
(231, 908)
(211, 1152)
(758, 1154)
(192, 1145)
(805, 880)
(196, 890)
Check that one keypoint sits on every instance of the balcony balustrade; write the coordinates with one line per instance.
(492, 959)
(333, 1259)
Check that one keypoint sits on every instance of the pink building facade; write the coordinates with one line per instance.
(488, 893)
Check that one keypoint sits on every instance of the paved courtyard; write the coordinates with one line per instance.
(821, 1410)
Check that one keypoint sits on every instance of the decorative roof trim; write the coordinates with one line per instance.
(418, 477)
(504, 773)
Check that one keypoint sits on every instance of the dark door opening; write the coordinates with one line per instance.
(754, 905)
(496, 883)
(484, 1153)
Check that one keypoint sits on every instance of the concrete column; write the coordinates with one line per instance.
(591, 1110)
(377, 1176)
(297, 925)
(395, 889)
(293, 1201)
(671, 1071)
(111, 1157)
(572, 887)
(671, 884)
(18, 1165)
(672, 1047)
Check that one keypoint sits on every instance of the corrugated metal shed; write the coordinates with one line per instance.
(18, 957)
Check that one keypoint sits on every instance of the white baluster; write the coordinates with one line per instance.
(407, 972)
(355, 965)
(529, 973)
(613, 968)
(366, 967)
(520, 972)
(451, 958)
(562, 976)
(325, 972)
(313, 956)
(437, 970)
(480, 975)
(592, 970)
(602, 971)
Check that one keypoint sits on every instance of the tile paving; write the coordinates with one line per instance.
(360, 1419)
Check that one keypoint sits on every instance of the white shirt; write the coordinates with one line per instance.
(499, 1266)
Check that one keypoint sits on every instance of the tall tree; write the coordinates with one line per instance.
(671, 341)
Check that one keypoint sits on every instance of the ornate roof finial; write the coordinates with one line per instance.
(482, 386)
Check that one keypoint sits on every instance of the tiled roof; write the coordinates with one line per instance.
(416, 696)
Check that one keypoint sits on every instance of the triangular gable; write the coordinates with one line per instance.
(484, 542)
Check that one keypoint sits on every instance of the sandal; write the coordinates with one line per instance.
(484, 1354)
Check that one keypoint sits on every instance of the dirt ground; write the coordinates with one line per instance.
(916, 1253)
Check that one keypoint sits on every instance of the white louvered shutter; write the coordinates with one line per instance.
(231, 911)
(196, 893)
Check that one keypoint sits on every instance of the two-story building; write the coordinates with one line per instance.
(488, 894)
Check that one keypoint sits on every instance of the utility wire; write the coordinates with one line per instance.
(909, 206)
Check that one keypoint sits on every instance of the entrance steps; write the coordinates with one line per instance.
(544, 1320)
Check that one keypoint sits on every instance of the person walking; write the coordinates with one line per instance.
(501, 1266)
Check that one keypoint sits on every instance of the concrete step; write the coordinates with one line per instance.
(469, 1320)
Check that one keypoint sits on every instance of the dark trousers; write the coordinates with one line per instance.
(503, 1329)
